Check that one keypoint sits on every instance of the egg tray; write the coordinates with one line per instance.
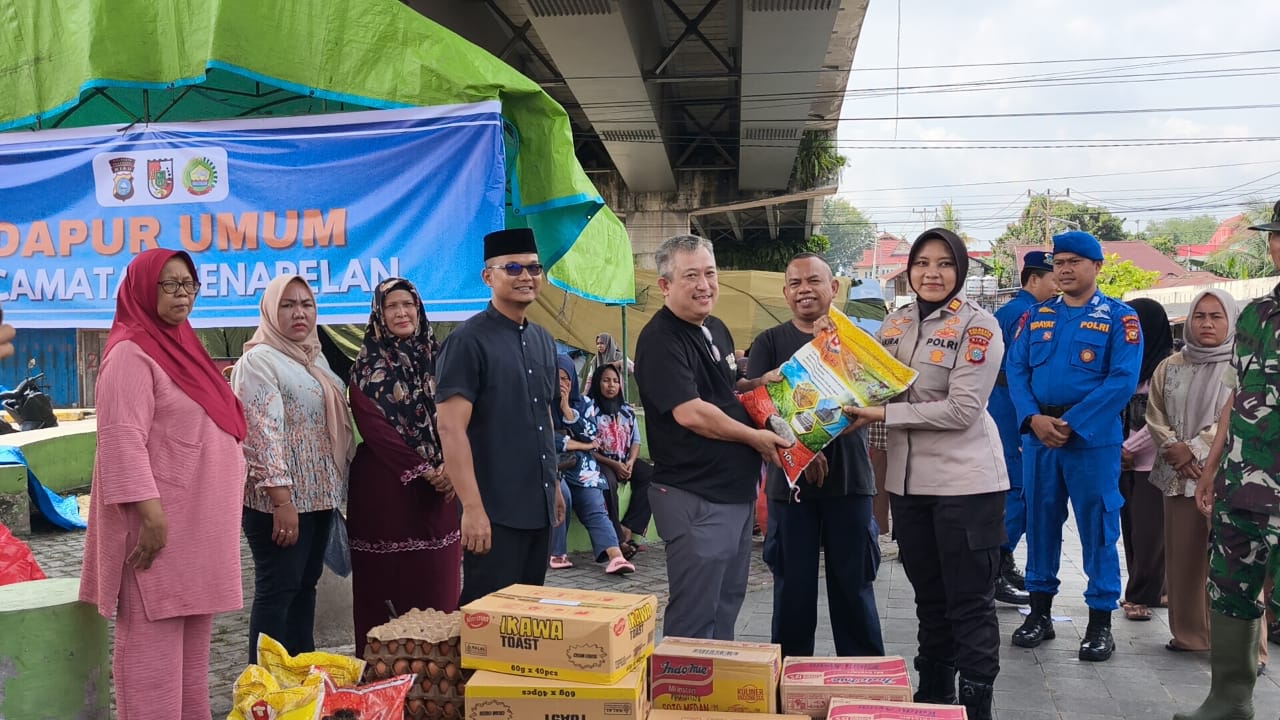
(439, 688)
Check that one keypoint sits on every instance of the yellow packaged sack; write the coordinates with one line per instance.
(259, 696)
(292, 671)
(841, 366)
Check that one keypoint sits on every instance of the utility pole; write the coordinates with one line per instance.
(1045, 211)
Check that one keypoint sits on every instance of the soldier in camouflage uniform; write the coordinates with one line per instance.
(1242, 499)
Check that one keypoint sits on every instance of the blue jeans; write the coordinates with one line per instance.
(560, 533)
(588, 504)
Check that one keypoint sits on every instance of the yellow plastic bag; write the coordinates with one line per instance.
(293, 671)
(259, 696)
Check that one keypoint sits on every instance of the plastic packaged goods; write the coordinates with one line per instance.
(841, 366)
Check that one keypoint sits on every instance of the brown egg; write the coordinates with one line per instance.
(428, 685)
(410, 647)
(382, 670)
(444, 686)
(418, 667)
(401, 666)
(372, 646)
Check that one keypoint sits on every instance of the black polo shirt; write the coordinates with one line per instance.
(848, 462)
(508, 372)
(674, 364)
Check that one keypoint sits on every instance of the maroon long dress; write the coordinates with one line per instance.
(405, 539)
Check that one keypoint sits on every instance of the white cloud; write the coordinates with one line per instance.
(936, 33)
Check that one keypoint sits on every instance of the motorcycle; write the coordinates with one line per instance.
(28, 404)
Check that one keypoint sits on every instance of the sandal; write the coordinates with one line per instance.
(628, 550)
(619, 566)
(1136, 612)
(560, 562)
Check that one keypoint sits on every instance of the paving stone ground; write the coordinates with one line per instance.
(1142, 680)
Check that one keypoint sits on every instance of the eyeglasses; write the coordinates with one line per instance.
(711, 344)
(171, 286)
(514, 269)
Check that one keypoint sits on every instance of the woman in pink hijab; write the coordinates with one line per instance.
(162, 553)
(298, 450)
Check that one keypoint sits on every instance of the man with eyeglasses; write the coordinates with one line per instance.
(1071, 370)
(706, 452)
(496, 387)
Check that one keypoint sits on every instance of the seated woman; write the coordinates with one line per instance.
(618, 454)
(586, 484)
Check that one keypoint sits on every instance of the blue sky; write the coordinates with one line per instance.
(934, 32)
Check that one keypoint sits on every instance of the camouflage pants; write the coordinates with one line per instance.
(1243, 548)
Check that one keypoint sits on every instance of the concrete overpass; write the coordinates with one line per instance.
(688, 114)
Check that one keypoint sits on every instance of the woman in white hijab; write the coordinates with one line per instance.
(1187, 395)
(298, 450)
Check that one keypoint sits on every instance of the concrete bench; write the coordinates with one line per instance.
(62, 457)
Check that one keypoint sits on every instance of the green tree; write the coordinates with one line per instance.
(772, 256)
(1196, 230)
(1118, 277)
(948, 218)
(1166, 244)
(1044, 217)
(818, 163)
(850, 232)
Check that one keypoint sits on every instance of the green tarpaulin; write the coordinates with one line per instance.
(75, 63)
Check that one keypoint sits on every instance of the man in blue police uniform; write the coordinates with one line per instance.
(1072, 369)
(1038, 285)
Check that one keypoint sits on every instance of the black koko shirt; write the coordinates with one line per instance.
(508, 372)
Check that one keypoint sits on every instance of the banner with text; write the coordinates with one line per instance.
(345, 200)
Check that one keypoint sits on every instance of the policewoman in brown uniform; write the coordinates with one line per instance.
(946, 477)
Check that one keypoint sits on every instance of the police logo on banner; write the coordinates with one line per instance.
(122, 182)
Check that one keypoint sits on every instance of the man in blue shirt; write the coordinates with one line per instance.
(1071, 370)
(1038, 285)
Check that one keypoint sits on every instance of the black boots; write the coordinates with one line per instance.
(976, 699)
(1010, 572)
(1007, 593)
(937, 682)
(1038, 626)
(1097, 644)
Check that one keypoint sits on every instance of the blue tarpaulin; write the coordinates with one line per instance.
(63, 512)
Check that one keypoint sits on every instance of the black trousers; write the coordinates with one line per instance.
(515, 557)
(284, 579)
(950, 549)
(638, 512)
(798, 532)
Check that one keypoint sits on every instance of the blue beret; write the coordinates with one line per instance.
(1039, 260)
(1078, 242)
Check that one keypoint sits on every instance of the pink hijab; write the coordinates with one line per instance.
(337, 417)
(175, 348)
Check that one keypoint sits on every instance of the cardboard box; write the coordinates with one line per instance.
(715, 675)
(809, 684)
(559, 633)
(493, 696)
(707, 715)
(847, 709)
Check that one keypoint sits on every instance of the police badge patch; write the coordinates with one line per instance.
(979, 338)
(1132, 330)
(122, 183)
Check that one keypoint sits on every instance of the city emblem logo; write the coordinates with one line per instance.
(160, 178)
(122, 183)
(1087, 355)
(200, 176)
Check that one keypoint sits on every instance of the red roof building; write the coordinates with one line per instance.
(1222, 237)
